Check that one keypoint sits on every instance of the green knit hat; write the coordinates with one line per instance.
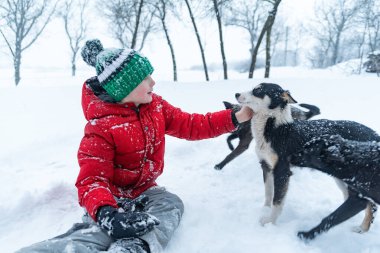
(119, 71)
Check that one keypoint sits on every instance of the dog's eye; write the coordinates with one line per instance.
(258, 92)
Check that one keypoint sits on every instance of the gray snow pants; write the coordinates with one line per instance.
(87, 237)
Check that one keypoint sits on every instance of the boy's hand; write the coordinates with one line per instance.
(125, 224)
(244, 114)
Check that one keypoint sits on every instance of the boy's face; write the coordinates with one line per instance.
(142, 94)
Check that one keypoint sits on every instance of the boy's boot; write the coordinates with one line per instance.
(129, 245)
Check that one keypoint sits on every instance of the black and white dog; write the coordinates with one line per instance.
(357, 164)
(278, 136)
(244, 133)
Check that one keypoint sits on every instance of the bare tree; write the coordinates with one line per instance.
(75, 27)
(248, 16)
(334, 18)
(137, 23)
(26, 19)
(268, 52)
(217, 4)
(163, 6)
(198, 38)
(360, 35)
(373, 12)
(293, 37)
(267, 28)
(6, 41)
(131, 21)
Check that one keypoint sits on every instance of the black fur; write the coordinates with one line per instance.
(244, 132)
(287, 138)
(355, 163)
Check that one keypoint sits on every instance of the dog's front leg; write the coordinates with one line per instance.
(280, 179)
(268, 183)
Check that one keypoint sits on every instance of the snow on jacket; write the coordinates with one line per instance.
(122, 151)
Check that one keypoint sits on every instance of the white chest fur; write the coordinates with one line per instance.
(263, 148)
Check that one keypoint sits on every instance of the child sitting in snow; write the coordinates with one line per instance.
(122, 154)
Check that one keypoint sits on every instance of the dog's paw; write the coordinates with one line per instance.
(265, 220)
(218, 167)
(306, 236)
(359, 230)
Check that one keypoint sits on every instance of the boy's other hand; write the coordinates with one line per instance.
(125, 224)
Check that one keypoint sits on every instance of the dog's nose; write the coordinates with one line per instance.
(237, 95)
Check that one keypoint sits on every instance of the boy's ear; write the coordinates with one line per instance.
(228, 105)
(288, 98)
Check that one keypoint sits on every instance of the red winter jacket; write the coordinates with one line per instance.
(122, 151)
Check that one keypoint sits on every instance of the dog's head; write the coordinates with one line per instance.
(265, 96)
(320, 152)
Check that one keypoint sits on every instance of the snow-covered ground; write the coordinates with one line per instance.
(42, 124)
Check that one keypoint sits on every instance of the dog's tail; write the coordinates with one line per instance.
(313, 110)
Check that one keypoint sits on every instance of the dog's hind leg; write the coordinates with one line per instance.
(343, 187)
(241, 147)
(370, 213)
(352, 206)
(370, 210)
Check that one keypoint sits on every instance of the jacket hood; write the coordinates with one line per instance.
(95, 108)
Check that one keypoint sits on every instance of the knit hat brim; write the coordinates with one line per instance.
(129, 75)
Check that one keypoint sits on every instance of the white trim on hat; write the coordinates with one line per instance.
(108, 70)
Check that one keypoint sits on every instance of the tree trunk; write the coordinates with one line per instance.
(334, 58)
(171, 49)
(73, 65)
(17, 63)
(134, 38)
(286, 45)
(267, 53)
(268, 24)
(198, 38)
(360, 49)
(256, 49)
(218, 18)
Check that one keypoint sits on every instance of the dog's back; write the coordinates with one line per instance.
(356, 163)
(290, 138)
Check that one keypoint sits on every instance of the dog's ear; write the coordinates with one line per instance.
(288, 98)
(228, 105)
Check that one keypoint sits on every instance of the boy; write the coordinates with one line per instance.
(121, 156)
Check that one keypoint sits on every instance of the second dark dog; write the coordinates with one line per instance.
(357, 164)
(244, 132)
